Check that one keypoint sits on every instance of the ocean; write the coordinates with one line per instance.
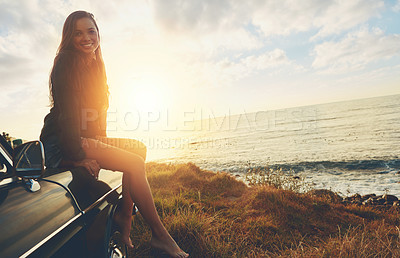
(348, 147)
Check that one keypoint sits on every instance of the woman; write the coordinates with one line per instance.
(74, 130)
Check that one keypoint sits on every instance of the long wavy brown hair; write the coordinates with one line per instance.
(92, 90)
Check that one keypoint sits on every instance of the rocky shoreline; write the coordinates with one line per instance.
(379, 201)
(372, 200)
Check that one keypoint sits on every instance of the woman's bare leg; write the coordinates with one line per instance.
(136, 184)
(123, 215)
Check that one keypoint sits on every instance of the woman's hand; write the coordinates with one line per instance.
(91, 166)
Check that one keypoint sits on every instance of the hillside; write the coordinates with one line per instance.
(214, 215)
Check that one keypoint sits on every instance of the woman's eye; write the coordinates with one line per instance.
(78, 33)
(92, 32)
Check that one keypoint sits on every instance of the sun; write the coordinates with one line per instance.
(142, 104)
(143, 95)
(147, 99)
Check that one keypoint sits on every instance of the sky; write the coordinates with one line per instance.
(179, 60)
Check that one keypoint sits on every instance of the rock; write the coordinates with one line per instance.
(369, 201)
(390, 198)
(380, 201)
(366, 197)
(356, 197)
(326, 194)
(388, 203)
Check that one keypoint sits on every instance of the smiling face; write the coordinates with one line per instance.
(86, 36)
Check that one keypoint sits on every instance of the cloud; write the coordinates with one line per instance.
(327, 17)
(284, 17)
(14, 71)
(355, 51)
(193, 44)
(226, 23)
(266, 60)
(396, 7)
(210, 25)
(225, 72)
(340, 16)
(30, 32)
(27, 42)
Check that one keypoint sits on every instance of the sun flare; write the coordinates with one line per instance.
(147, 99)
(143, 95)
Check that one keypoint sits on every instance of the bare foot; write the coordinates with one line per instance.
(168, 244)
(124, 223)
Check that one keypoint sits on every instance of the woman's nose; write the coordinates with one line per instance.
(86, 36)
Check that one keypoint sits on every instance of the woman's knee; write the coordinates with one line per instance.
(136, 147)
(115, 158)
(131, 145)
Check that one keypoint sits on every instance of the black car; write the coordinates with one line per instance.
(55, 212)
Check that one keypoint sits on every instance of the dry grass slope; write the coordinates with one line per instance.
(214, 215)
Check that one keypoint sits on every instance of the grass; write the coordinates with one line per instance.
(214, 215)
(287, 180)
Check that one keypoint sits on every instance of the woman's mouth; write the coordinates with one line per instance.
(87, 45)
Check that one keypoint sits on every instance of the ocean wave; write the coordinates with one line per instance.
(335, 167)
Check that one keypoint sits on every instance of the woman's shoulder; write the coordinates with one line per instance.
(65, 57)
(63, 68)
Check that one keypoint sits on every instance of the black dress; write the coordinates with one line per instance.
(76, 112)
